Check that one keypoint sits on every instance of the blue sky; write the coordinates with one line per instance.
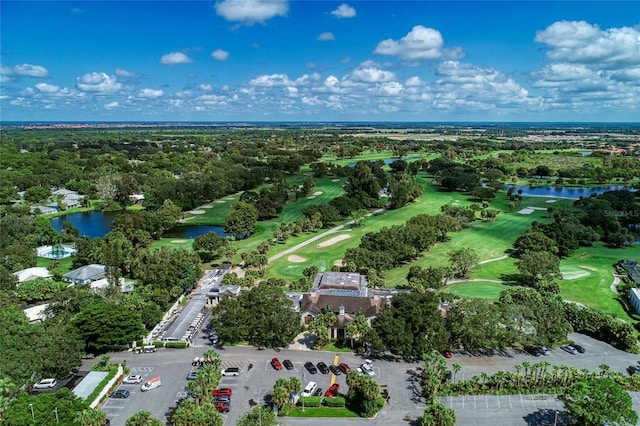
(279, 60)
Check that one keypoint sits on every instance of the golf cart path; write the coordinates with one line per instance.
(317, 237)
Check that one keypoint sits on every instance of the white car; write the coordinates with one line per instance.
(46, 384)
(367, 369)
(134, 379)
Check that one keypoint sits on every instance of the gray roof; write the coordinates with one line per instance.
(87, 272)
(340, 283)
(89, 383)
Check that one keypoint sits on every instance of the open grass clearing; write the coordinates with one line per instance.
(478, 289)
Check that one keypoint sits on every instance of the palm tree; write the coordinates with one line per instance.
(280, 396)
(6, 386)
(604, 369)
(294, 384)
(91, 417)
(142, 418)
(456, 370)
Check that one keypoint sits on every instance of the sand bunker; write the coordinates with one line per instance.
(296, 259)
(335, 180)
(526, 211)
(317, 193)
(179, 241)
(229, 198)
(311, 197)
(338, 262)
(334, 240)
(575, 274)
(206, 207)
(550, 201)
(220, 201)
(197, 212)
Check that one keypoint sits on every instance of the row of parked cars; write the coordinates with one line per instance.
(343, 368)
(537, 350)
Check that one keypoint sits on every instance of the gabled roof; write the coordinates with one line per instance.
(32, 273)
(86, 272)
(369, 306)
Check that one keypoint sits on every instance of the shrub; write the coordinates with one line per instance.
(177, 345)
(337, 401)
(310, 401)
(158, 344)
(113, 370)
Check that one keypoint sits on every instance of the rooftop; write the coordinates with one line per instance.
(340, 283)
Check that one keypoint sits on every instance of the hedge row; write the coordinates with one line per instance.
(336, 401)
(310, 401)
(93, 395)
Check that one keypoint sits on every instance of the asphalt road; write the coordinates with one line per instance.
(405, 404)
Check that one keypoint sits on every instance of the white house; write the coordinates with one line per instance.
(31, 274)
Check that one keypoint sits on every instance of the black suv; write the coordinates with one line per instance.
(633, 369)
(310, 367)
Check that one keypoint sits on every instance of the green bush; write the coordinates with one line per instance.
(336, 401)
(158, 344)
(177, 345)
(310, 401)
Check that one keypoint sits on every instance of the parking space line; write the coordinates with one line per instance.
(474, 402)
(510, 403)
(497, 399)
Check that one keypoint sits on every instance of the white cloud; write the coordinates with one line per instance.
(98, 82)
(124, 73)
(174, 58)
(250, 12)
(30, 70)
(419, 43)
(271, 80)
(370, 74)
(47, 88)
(205, 87)
(327, 36)
(112, 105)
(581, 42)
(413, 81)
(344, 11)
(220, 55)
(150, 93)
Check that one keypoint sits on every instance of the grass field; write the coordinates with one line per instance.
(325, 412)
(479, 289)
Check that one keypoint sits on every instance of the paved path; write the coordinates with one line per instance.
(614, 284)
(317, 237)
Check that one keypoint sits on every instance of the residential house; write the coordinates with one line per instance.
(85, 274)
(124, 285)
(36, 314)
(31, 274)
(632, 269)
(634, 298)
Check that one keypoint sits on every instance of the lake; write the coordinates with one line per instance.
(563, 191)
(97, 224)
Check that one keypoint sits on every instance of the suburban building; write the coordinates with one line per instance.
(346, 294)
(124, 285)
(632, 269)
(36, 313)
(634, 298)
(85, 274)
(32, 274)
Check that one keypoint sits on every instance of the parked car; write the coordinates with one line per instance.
(570, 349)
(275, 363)
(633, 369)
(544, 350)
(287, 364)
(133, 379)
(335, 370)
(192, 375)
(46, 384)
(447, 354)
(223, 407)
(344, 367)
(579, 348)
(152, 383)
(323, 367)
(533, 350)
(367, 369)
(231, 371)
(222, 392)
(224, 398)
(318, 392)
(310, 367)
(310, 389)
(333, 390)
(120, 393)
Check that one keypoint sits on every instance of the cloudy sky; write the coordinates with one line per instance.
(279, 60)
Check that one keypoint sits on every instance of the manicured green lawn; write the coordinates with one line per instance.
(321, 412)
(336, 347)
(482, 290)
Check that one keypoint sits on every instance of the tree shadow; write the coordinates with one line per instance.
(511, 279)
(548, 417)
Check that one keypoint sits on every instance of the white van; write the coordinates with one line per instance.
(151, 384)
(310, 389)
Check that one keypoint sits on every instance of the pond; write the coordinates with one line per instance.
(564, 191)
(96, 224)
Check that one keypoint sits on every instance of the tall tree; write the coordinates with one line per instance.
(463, 260)
(241, 222)
(599, 401)
(259, 415)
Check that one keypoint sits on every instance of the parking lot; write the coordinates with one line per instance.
(401, 379)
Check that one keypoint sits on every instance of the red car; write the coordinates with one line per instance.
(333, 390)
(447, 354)
(344, 367)
(275, 363)
(223, 407)
(222, 392)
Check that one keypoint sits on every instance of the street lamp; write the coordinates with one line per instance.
(555, 422)
(55, 409)
(33, 417)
